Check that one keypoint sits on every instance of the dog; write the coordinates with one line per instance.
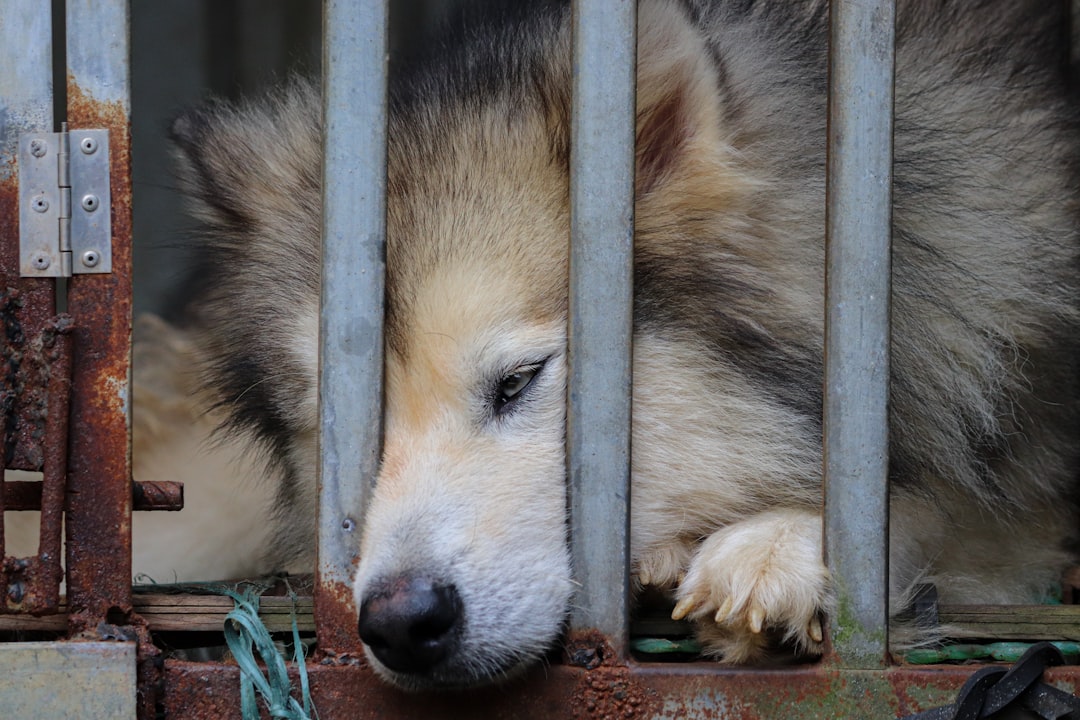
(464, 574)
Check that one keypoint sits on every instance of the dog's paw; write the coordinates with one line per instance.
(664, 566)
(755, 581)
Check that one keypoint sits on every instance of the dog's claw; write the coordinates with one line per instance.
(724, 611)
(756, 620)
(684, 606)
(644, 577)
(814, 629)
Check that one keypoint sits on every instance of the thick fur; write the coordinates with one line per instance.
(728, 315)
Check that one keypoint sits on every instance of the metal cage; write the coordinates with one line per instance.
(85, 463)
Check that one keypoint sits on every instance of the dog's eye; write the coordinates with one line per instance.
(513, 385)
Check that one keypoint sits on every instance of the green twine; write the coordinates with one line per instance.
(245, 633)
(1000, 651)
(663, 646)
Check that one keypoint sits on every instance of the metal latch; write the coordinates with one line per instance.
(64, 203)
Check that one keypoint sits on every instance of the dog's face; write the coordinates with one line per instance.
(464, 571)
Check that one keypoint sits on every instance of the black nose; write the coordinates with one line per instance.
(411, 623)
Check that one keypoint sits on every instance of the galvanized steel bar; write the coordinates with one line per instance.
(351, 317)
(25, 76)
(858, 240)
(601, 313)
(99, 488)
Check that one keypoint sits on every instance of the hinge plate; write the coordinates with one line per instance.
(64, 204)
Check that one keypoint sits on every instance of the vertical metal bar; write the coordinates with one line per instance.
(56, 357)
(99, 482)
(26, 105)
(601, 313)
(25, 76)
(351, 317)
(858, 267)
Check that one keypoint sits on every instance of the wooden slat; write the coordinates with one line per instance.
(206, 613)
(1013, 622)
(184, 613)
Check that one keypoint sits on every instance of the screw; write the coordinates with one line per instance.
(88, 145)
(90, 258)
(39, 204)
(38, 148)
(90, 203)
(16, 591)
(40, 261)
(348, 524)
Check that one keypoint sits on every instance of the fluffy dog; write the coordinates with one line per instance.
(464, 572)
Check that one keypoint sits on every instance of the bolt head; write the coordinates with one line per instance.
(40, 261)
(91, 258)
(90, 203)
(40, 204)
(88, 145)
(38, 148)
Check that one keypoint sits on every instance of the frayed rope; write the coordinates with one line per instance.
(245, 633)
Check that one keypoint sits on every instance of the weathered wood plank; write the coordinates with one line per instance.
(184, 613)
(1014, 622)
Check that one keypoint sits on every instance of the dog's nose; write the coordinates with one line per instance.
(411, 623)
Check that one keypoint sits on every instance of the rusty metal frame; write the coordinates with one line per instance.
(664, 692)
(66, 388)
(37, 347)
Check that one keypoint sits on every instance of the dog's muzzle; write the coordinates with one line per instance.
(411, 624)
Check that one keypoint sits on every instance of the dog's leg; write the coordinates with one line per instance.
(756, 579)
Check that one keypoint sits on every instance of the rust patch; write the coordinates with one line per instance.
(149, 496)
(671, 691)
(36, 371)
(99, 484)
(607, 689)
(163, 495)
(589, 649)
(335, 623)
(33, 584)
(613, 692)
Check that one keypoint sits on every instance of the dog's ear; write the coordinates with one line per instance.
(209, 167)
(677, 105)
(249, 168)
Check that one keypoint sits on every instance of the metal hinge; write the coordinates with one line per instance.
(64, 203)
